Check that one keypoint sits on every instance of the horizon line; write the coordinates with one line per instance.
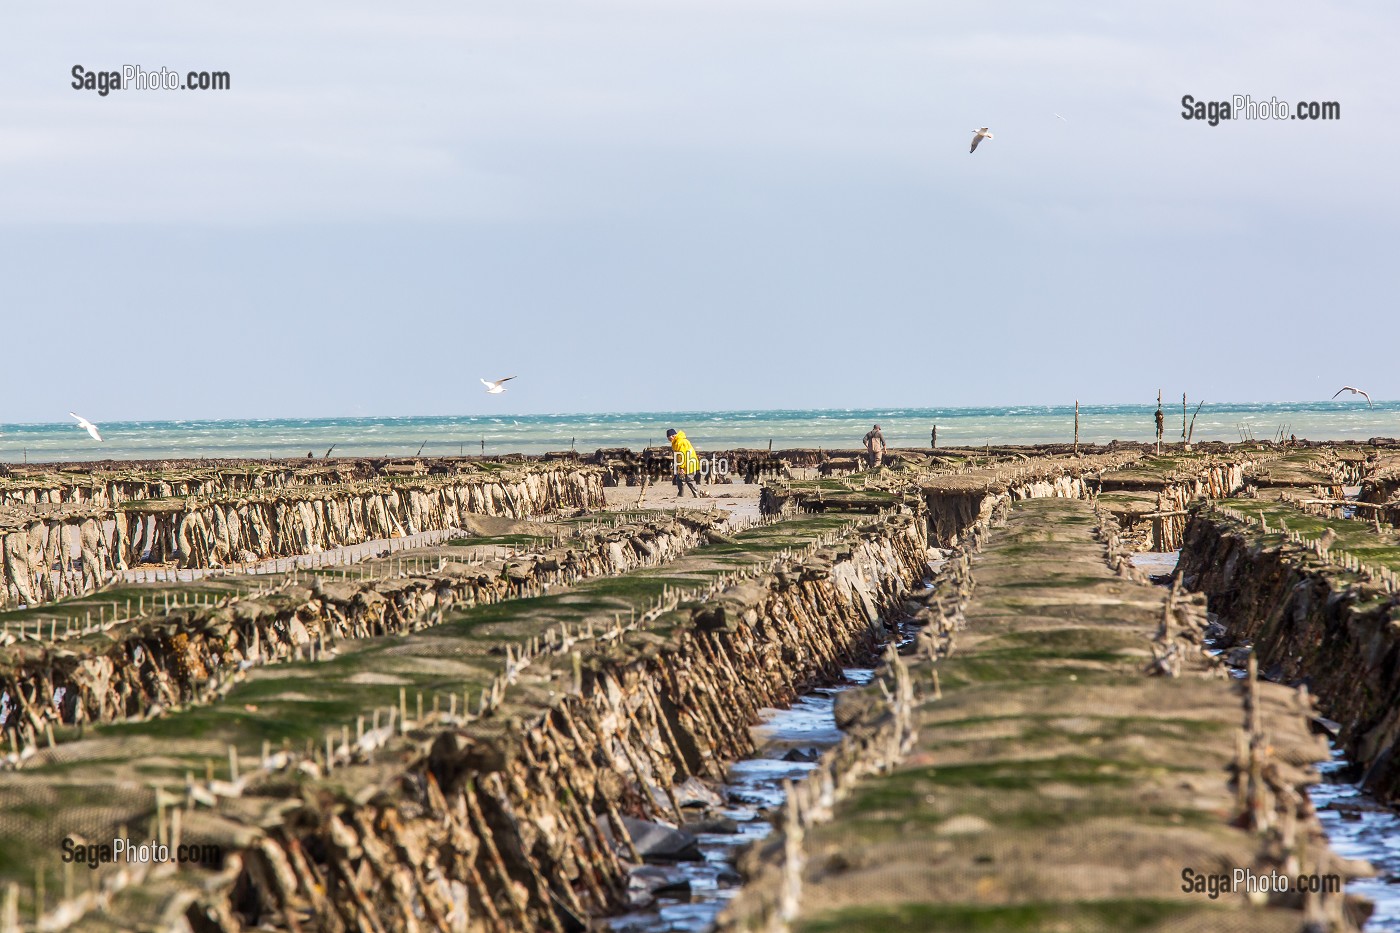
(693, 411)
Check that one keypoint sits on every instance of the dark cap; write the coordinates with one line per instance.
(670, 432)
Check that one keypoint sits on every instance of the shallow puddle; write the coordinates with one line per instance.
(1361, 828)
(789, 741)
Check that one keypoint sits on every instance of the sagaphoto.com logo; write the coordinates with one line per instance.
(1244, 107)
(134, 77)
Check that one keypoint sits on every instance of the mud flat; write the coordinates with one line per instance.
(494, 730)
(1058, 752)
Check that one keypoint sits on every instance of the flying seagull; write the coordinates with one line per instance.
(1062, 118)
(497, 387)
(1360, 392)
(978, 136)
(87, 426)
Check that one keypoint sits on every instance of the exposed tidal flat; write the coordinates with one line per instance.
(461, 694)
(825, 428)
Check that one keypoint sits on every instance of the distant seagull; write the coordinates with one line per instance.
(1360, 392)
(1062, 118)
(87, 426)
(497, 387)
(978, 136)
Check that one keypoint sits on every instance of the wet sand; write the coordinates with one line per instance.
(739, 499)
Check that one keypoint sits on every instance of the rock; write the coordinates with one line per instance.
(714, 826)
(649, 882)
(964, 825)
(693, 792)
(801, 754)
(678, 890)
(657, 842)
(1328, 727)
(1239, 657)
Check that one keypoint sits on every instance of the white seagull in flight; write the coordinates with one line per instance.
(497, 387)
(978, 136)
(87, 426)
(1361, 392)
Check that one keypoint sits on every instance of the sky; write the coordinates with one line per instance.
(695, 204)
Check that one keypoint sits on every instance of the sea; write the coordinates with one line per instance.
(708, 430)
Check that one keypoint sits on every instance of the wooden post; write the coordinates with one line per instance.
(1076, 427)
(1183, 420)
(1160, 421)
(10, 920)
(1191, 432)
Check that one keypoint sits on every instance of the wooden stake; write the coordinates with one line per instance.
(1159, 422)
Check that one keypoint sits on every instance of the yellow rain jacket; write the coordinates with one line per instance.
(686, 460)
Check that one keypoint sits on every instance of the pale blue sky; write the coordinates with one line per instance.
(690, 204)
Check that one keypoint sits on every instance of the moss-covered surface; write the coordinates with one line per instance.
(1306, 467)
(860, 492)
(1054, 786)
(143, 603)
(1357, 538)
(91, 785)
(1156, 471)
(1109, 916)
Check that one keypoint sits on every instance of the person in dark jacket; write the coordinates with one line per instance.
(874, 443)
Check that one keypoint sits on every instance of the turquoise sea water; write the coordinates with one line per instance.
(830, 428)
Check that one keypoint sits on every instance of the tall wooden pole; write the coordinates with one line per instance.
(1159, 422)
(1076, 427)
(1183, 420)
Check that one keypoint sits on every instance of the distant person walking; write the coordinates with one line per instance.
(685, 463)
(874, 443)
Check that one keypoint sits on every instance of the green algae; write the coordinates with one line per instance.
(1106, 915)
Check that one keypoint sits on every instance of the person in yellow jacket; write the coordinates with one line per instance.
(686, 462)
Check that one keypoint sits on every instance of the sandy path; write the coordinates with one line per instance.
(739, 499)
